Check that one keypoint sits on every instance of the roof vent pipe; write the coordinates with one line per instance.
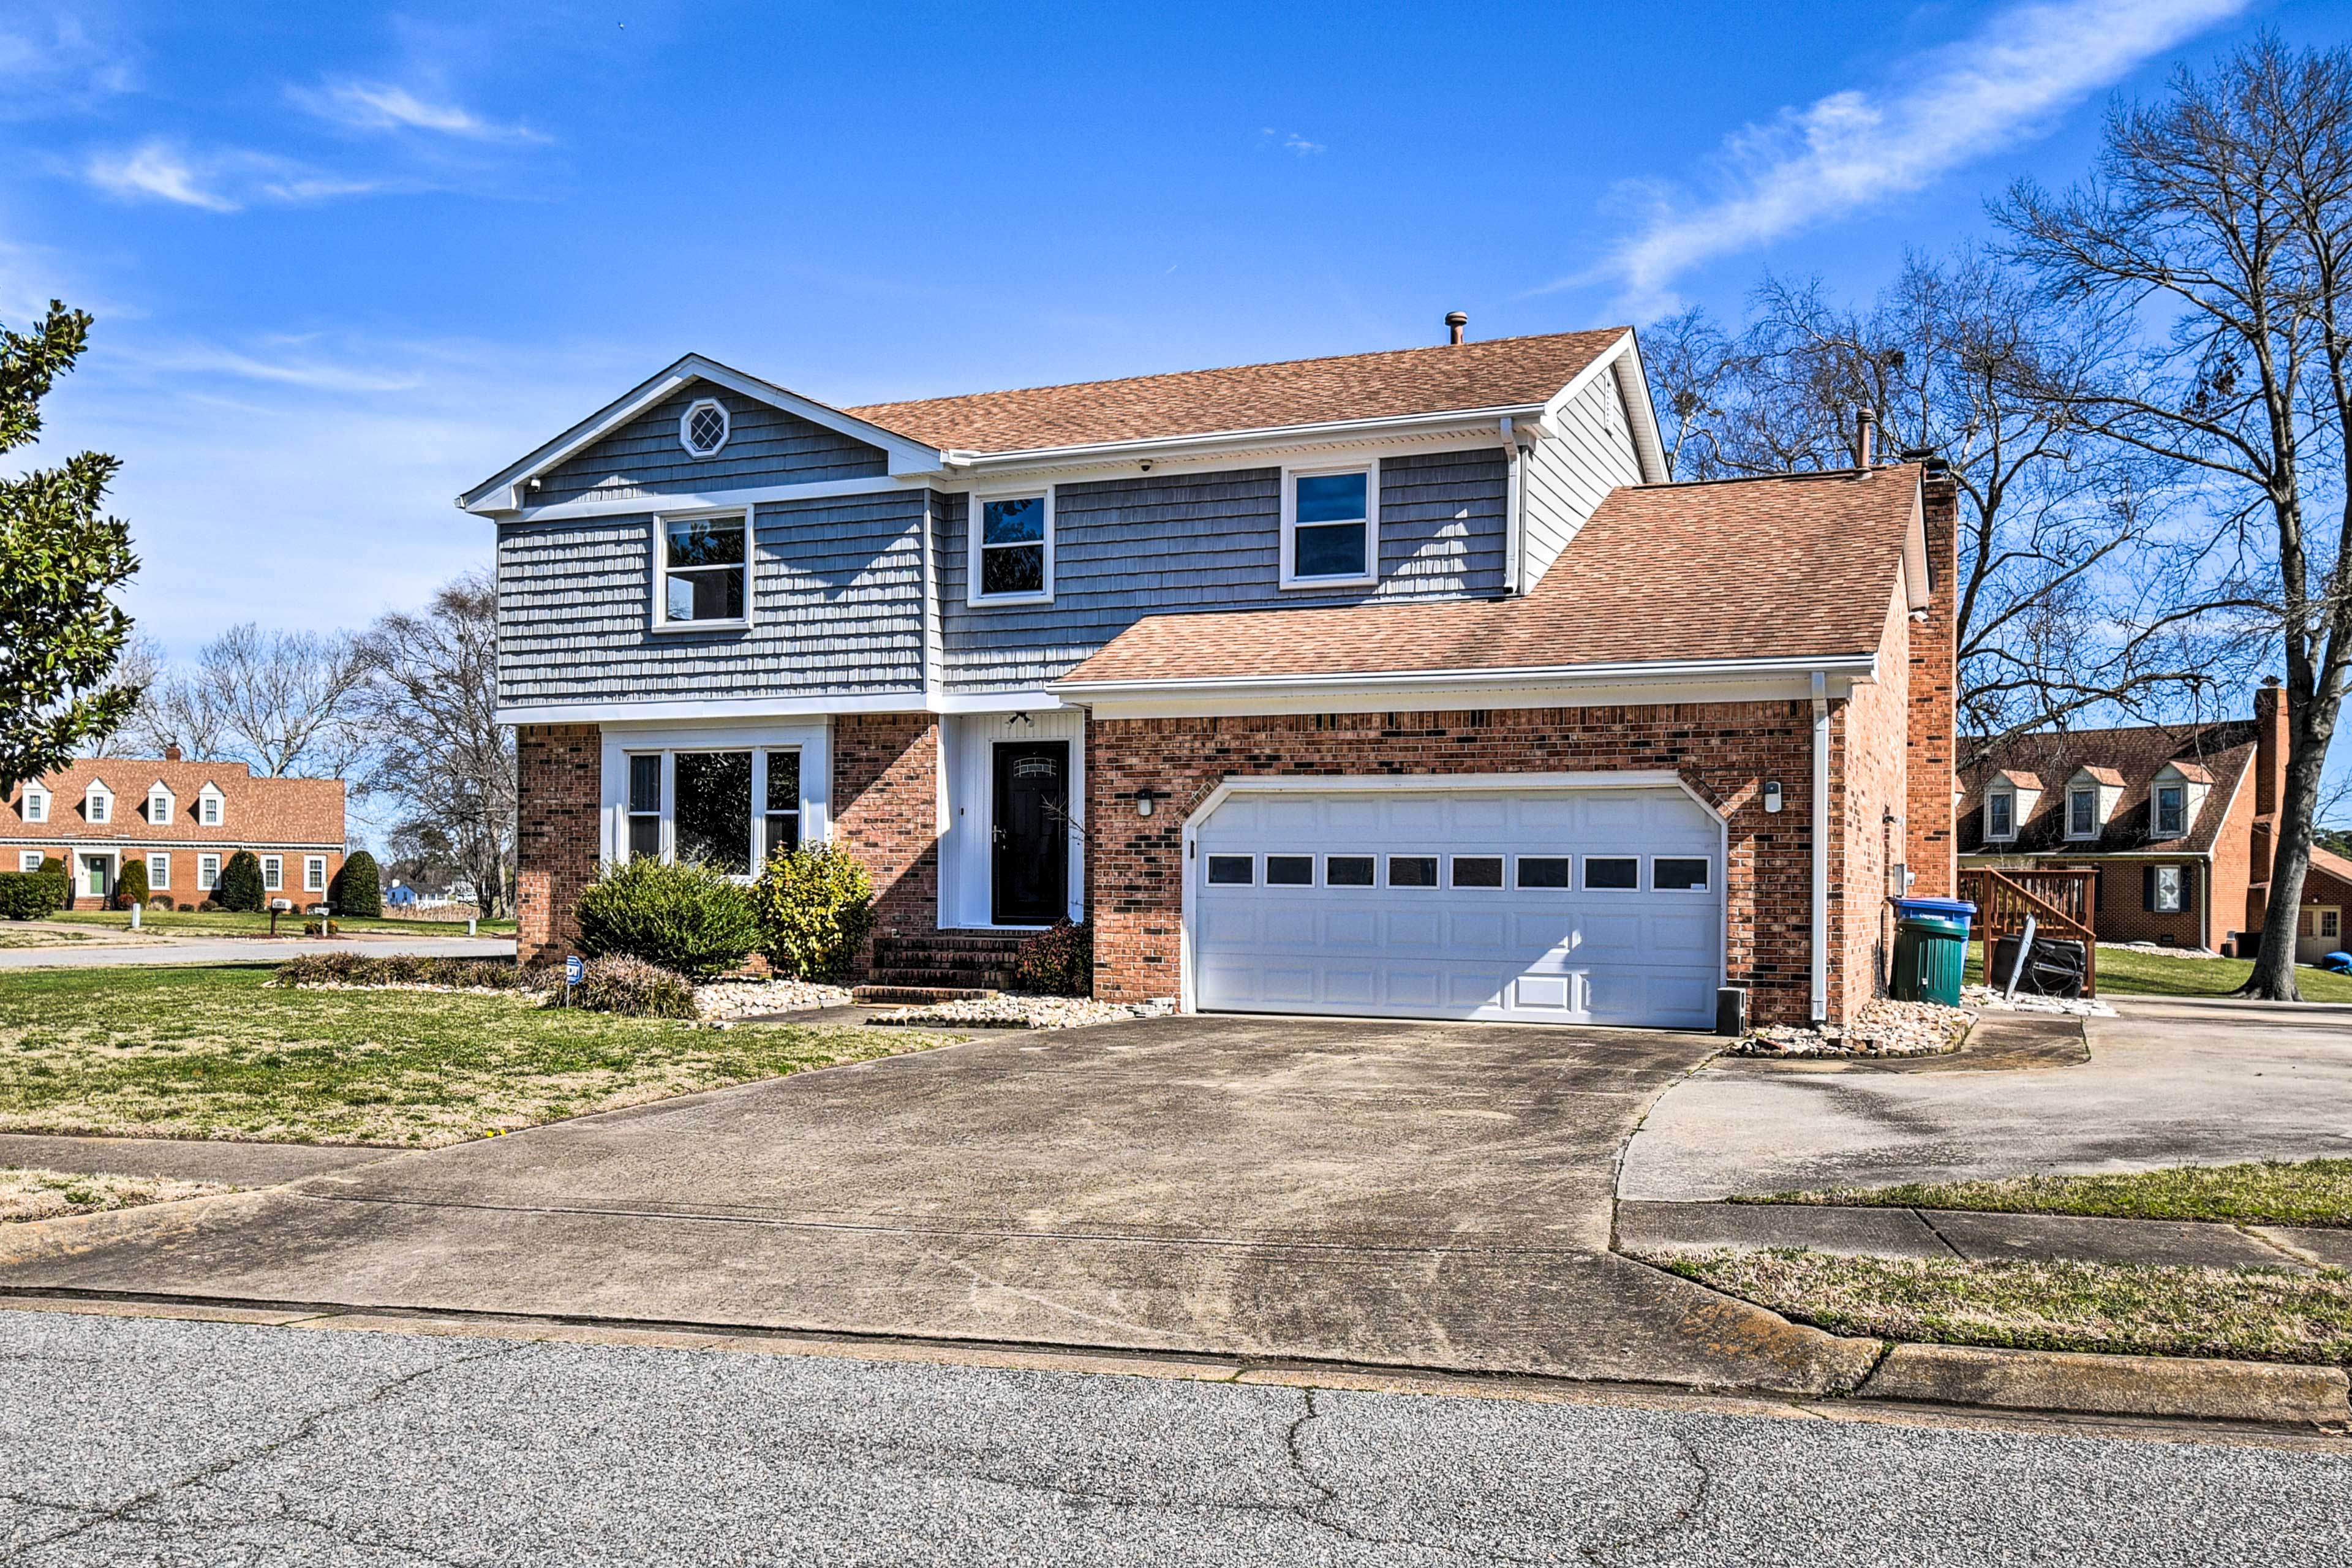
(1456, 321)
(1865, 436)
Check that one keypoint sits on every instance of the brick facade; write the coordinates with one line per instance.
(1931, 847)
(1871, 749)
(559, 773)
(1723, 751)
(885, 811)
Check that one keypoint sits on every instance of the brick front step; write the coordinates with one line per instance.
(915, 996)
(963, 961)
(988, 943)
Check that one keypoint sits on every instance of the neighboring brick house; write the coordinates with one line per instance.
(1398, 684)
(180, 821)
(2176, 820)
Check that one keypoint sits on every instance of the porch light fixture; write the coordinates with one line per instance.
(1143, 799)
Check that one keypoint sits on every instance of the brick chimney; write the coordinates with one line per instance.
(171, 753)
(1931, 746)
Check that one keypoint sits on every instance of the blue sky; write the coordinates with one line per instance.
(346, 262)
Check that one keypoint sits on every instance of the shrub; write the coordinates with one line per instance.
(1057, 963)
(816, 907)
(358, 887)
(161, 901)
(52, 867)
(688, 917)
(617, 984)
(132, 889)
(29, 895)
(240, 888)
(323, 928)
(411, 969)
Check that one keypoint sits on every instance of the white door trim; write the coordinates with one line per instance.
(1630, 778)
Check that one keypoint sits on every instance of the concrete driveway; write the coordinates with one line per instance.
(2167, 1082)
(1430, 1196)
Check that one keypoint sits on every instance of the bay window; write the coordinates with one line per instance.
(710, 809)
(726, 808)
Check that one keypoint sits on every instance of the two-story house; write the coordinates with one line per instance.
(1397, 683)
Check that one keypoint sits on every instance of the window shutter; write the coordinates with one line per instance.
(2098, 887)
(2148, 887)
(2188, 886)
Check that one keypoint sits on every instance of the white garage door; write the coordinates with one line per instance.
(1600, 905)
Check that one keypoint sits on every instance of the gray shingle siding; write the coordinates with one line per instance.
(836, 608)
(1128, 548)
(765, 446)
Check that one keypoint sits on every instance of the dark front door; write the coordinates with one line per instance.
(1029, 859)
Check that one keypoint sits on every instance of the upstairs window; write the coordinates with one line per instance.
(1328, 527)
(2083, 813)
(1013, 548)
(2001, 816)
(208, 809)
(705, 563)
(159, 806)
(98, 805)
(2171, 811)
(36, 803)
(704, 428)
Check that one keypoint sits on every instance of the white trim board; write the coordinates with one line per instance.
(757, 710)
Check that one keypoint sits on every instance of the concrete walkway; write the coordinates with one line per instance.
(1652, 1228)
(2167, 1083)
(1402, 1195)
(244, 949)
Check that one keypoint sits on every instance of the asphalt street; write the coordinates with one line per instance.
(136, 1441)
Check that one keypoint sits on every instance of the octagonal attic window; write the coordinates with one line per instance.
(702, 430)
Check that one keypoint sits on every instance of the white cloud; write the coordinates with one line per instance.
(156, 169)
(384, 106)
(1291, 141)
(61, 56)
(1843, 153)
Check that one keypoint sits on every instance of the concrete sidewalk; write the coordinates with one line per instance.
(242, 950)
(1652, 1228)
(185, 1159)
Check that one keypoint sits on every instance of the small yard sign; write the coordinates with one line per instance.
(574, 970)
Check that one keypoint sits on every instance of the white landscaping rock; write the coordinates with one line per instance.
(1882, 1028)
(1985, 999)
(725, 999)
(1020, 1012)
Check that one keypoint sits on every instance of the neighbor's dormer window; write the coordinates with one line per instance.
(705, 566)
(36, 803)
(2001, 816)
(159, 806)
(703, 428)
(1329, 526)
(2083, 813)
(1013, 548)
(208, 808)
(2171, 811)
(98, 805)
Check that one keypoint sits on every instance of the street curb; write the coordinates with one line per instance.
(2078, 1383)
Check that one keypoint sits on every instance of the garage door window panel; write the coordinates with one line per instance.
(1679, 874)
(1412, 870)
(1348, 871)
(1232, 870)
(1477, 871)
(1547, 871)
(1613, 874)
(1290, 870)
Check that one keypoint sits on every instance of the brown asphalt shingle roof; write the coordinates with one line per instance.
(1498, 372)
(1790, 567)
(255, 811)
(2220, 751)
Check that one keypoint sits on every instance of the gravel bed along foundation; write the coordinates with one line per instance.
(750, 998)
(1985, 999)
(1882, 1028)
(1018, 1011)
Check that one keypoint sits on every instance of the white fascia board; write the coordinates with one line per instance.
(906, 456)
(1918, 576)
(754, 710)
(1589, 686)
(1416, 429)
(712, 500)
(1642, 411)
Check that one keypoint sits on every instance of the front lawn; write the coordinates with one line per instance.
(2123, 972)
(2273, 1191)
(218, 1052)
(229, 922)
(28, 1194)
(2257, 1314)
(15, 935)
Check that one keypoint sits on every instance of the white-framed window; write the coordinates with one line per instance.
(36, 803)
(730, 807)
(273, 873)
(314, 873)
(2083, 813)
(1233, 870)
(97, 804)
(28, 859)
(645, 804)
(1330, 527)
(702, 569)
(159, 804)
(2171, 811)
(158, 871)
(207, 873)
(2167, 891)
(2330, 922)
(1613, 873)
(209, 807)
(781, 816)
(1679, 874)
(1011, 549)
(704, 428)
(2000, 814)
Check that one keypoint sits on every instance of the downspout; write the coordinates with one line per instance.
(1820, 847)
(1514, 507)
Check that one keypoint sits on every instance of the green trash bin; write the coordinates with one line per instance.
(1929, 953)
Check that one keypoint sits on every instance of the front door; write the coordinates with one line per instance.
(94, 870)
(1029, 852)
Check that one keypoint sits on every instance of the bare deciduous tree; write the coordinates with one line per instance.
(283, 700)
(2221, 218)
(429, 705)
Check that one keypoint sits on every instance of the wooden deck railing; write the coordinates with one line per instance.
(2059, 901)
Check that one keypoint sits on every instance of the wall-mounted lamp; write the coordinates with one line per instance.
(1143, 799)
(1772, 794)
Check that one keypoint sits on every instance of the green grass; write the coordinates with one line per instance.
(14, 936)
(28, 1193)
(2259, 1314)
(218, 1052)
(2303, 1191)
(2123, 973)
(226, 922)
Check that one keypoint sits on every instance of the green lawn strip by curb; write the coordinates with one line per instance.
(29, 1192)
(2270, 1191)
(2258, 1314)
(233, 923)
(217, 1051)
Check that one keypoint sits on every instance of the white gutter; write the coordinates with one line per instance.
(1261, 436)
(1821, 846)
(1854, 666)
